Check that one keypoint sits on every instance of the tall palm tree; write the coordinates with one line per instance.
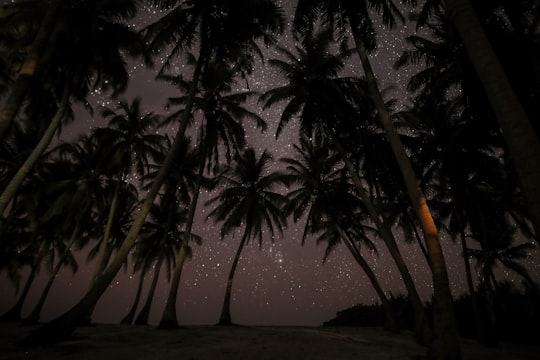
(328, 105)
(519, 134)
(130, 144)
(247, 199)
(221, 128)
(96, 58)
(354, 16)
(29, 66)
(228, 27)
(327, 199)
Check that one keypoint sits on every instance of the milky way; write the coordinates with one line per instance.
(280, 283)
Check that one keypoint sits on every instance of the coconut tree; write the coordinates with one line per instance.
(229, 28)
(220, 130)
(328, 201)
(354, 16)
(247, 199)
(519, 134)
(329, 105)
(28, 68)
(130, 144)
(96, 59)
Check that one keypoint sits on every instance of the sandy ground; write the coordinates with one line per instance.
(120, 342)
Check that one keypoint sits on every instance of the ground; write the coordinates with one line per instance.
(121, 342)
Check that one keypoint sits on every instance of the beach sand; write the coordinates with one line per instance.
(122, 342)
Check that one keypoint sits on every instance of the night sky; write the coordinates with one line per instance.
(282, 283)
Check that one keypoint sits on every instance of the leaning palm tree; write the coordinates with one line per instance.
(247, 199)
(221, 130)
(344, 15)
(96, 58)
(519, 134)
(329, 203)
(129, 145)
(314, 93)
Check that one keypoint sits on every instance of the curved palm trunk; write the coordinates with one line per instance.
(445, 344)
(128, 319)
(225, 317)
(422, 329)
(18, 178)
(142, 318)
(168, 319)
(64, 325)
(390, 323)
(104, 252)
(519, 135)
(33, 318)
(14, 314)
(28, 69)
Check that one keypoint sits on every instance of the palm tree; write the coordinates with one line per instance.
(327, 199)
(30, 64)
(313, 93)
(221, 128)
(247, 199)
(96, 53)
(523, 144)
(354, 16)
(130, 144)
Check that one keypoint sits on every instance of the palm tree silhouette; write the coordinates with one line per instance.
(328, 201)
(519, 134)
(129, 146)
(354, 16)
(221, 127)
(228, 29)
(97, 53)
(247, 199)
(325, 105)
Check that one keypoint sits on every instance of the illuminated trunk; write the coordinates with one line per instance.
(517, 130)
(422, 331)
(445, 344)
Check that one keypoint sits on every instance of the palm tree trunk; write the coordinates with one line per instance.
(101, 262)
(128, 319)
(168, 319)
(14, 314)
(390, 323)
(445, 344)
(18, 178)
(142, 318)
(225, 317)
(28, 69)
(517, 130)
(64, 325)
(33, 318)
(423, 333)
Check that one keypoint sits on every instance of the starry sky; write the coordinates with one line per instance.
(281, 283)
